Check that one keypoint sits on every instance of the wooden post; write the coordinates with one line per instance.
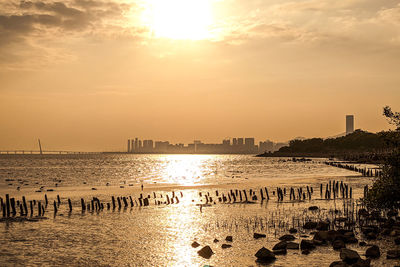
(55, 208)
(8, 205)
(58, 200)
(83, 205)
(13, 210)
(31, 207)
(46, 200)
(70, 205)
(125, 202)
(130, 198)
(113, 202)
(119, 202)
(25, 206)
(39, 209)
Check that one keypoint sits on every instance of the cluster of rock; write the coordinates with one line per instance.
(338, 239)
(206, 251)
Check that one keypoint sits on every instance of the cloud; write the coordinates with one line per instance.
(31, 24)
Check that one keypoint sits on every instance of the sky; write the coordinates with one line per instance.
(86, 75)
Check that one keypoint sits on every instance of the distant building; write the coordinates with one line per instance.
(266, 146)
(349, 124)
(240, 141)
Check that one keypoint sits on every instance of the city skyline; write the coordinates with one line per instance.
(236, 145)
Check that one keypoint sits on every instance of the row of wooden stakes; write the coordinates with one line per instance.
(364, 171)
(334, 190)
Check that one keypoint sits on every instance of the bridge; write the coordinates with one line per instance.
(40, 152)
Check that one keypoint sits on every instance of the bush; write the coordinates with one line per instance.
(385, 192)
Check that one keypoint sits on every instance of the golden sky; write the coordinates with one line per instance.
(89, 74)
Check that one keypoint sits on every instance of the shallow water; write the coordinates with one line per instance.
(123, 169)
(162, 235)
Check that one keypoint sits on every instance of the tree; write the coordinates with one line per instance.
(385, 191)
(393, 117)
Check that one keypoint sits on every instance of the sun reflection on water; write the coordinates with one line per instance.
(184, 170)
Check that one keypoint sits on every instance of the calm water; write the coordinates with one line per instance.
(77, 170)
(158, 235)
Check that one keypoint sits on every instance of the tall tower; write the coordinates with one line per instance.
(129, 146)
(349, 124)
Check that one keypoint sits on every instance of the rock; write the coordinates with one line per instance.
(292, 230)
(312, 208)
(292, 245)
(229, 238)
(324, 226)
(280, 251)
(280, 245)
(304, 236)
(257, 235)
(287, 238)
(226, 246)
(338, 264)
(310, 225)
(338, 244)
(362, 263)
(307, 244)
(362, 244)
(206, 252)
(397, 241)
(349, 256)
(265, 255)
(321, 235)
(305, 251)
(216, 240)
(373, 252)
(195, 244)
(393, 254)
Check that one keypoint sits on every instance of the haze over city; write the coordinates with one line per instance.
(88, 75)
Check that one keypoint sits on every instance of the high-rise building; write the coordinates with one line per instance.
(240, 141)
(129, 146)
(234, 141)
(349, 124)
(136, 144)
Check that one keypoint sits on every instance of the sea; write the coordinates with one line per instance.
(162, 233)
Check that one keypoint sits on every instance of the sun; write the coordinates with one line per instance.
(179, 19)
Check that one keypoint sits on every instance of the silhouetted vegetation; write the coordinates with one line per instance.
(385, 192)
(359, 141)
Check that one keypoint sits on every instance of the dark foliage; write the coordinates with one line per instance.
(385, 192)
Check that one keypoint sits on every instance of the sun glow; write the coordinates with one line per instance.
(179, 19)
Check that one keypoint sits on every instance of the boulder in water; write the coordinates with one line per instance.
(306, 244)
(373, 252)
(195, 244)
(287, 238)
(265, 255)
(206, 252)
(229, 238)
(338, 244)
(349, 256)
(280, 245)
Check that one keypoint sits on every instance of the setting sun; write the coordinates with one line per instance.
(179, 19)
